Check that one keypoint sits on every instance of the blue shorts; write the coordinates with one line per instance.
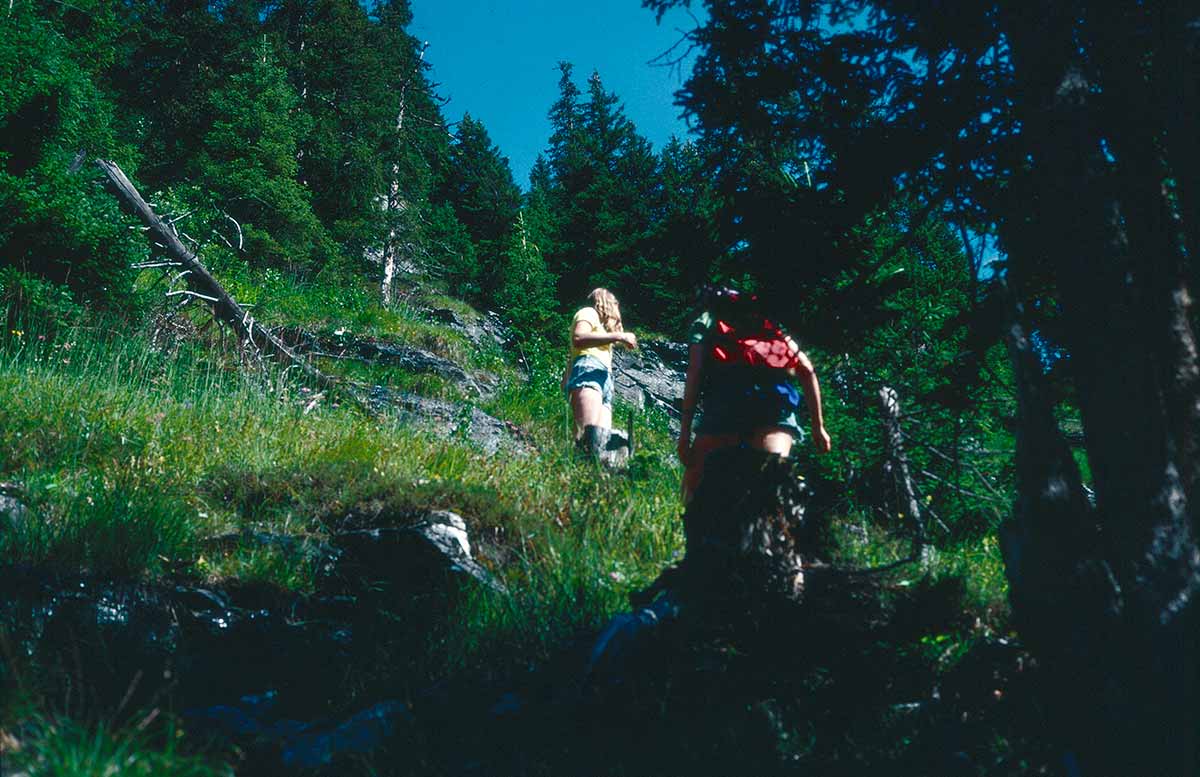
(590, 372)
(738, 407)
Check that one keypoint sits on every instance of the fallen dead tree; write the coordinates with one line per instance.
(200, 282)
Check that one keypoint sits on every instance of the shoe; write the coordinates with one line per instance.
(593, 442)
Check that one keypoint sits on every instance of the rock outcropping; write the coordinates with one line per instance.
(652, 376)
(452, 420)
(259, 667)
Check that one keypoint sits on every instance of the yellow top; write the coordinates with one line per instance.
(601, 352)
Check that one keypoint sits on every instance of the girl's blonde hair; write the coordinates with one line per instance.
(606, 306)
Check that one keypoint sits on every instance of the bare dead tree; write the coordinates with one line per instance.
(393, 203)
(200, 283)
(896, 470)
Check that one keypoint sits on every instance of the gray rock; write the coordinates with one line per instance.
(448, 531)
(254, 721)
(487, 328)
(413, 556)
(12, 511)
(652, 376)
(452, 420)
(344, 345)
(416, 360)
(612, 653)
(363, 733)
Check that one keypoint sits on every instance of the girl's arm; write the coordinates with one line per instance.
(691, 389)
(812, 395)
(582, 336)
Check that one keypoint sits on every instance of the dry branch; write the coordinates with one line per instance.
(200, 281)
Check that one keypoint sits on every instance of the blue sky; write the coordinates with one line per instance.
(497, 60)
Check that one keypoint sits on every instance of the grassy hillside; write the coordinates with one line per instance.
(131, 456)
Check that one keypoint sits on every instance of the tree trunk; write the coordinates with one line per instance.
(1140, 111)
(394, 204)
(746, 535)
(896, 472)
(391, 249)
(1104, 595)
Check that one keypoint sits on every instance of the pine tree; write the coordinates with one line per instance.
(478, 184)
(448, 252)
(1067, 130)
(684, 248)
(543, 221)
(415, 151)
(621, 197)
(59, 224)
(525, 288)
(248, 163)
(603, 190)
(565, 154)
(338, 65)
(173, 54)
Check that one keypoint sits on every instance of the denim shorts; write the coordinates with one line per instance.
(735, 407)
(590, 372)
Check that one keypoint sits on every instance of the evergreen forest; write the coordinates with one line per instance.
(287, 482)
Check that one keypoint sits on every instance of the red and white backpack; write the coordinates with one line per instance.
(743, 337)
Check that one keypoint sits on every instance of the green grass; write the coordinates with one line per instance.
(46, 747)
(346, 308)
(131, 460)
(857, 542)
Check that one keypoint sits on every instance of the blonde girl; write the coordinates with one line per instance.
(587, 380)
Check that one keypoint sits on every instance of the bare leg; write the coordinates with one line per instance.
(701, 447)
(771, 439)
(587, 406)
(605, 416)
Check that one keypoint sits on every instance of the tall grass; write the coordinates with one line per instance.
(130, 458)
(63, 748)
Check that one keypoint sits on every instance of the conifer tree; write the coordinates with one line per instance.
(565, 153)
(620, 197)
(421, 229)
(174, 53)
(684, 246)
(525, 288)
(448, 252)
(57, 223)
(248, 163)
(603, 190)
(1068, 131)
(478, 184)
(542, 220)
(337, 65)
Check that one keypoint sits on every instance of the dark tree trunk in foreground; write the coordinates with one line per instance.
(747, 537)
(1104, 594)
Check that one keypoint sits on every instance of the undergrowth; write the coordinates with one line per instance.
(65, 748)
(130, 459)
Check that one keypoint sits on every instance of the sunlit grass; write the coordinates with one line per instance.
(133, 462)
(130, 460)
(857, 542)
